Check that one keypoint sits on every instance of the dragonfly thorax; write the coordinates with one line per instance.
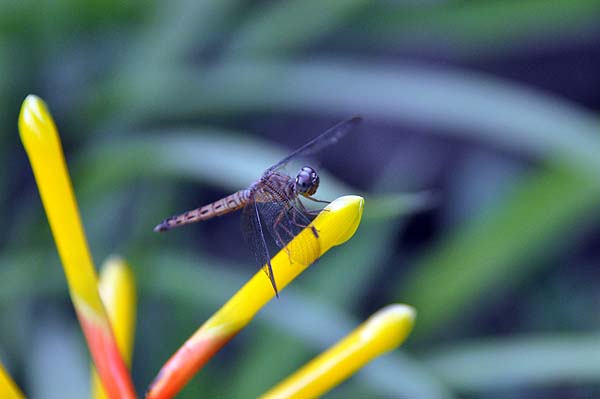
(307, 181)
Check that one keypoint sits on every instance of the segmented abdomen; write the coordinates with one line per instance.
(225, 205)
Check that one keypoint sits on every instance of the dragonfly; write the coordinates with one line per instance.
(272, 203)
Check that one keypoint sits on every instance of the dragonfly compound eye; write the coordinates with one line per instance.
(307, 181)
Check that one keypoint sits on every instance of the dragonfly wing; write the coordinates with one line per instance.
(252, 230)
(285, 221)
(329, 137)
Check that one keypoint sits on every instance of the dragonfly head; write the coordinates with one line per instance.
(307, 181)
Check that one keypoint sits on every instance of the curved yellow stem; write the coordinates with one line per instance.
(335, 225)
(382, 332)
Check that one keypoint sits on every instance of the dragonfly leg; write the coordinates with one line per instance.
(281, 242)
(310, 212)
(315, 212)
(303, 226)
(317, 200)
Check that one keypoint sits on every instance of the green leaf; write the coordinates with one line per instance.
(484, 365)
(28, 274)
(176, 28)
(500, 249)
(223, 158)
(458, 103)
(281, 27)
(478, 28)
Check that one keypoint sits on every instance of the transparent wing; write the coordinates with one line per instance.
(284, 220)
(329, 137)
(252, 230)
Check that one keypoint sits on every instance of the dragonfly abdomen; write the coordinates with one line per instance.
(225, 205)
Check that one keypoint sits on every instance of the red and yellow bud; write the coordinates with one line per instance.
(336, 224)
(42, 143)
(117, 290)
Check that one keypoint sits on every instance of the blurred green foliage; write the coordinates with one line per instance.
(480, 183)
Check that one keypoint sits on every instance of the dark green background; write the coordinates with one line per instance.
(478, 160)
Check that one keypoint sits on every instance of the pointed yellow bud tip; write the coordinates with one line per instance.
(391, 325)
(348, 208)
(34, 120)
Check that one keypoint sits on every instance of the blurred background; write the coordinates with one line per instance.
(477, 158)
